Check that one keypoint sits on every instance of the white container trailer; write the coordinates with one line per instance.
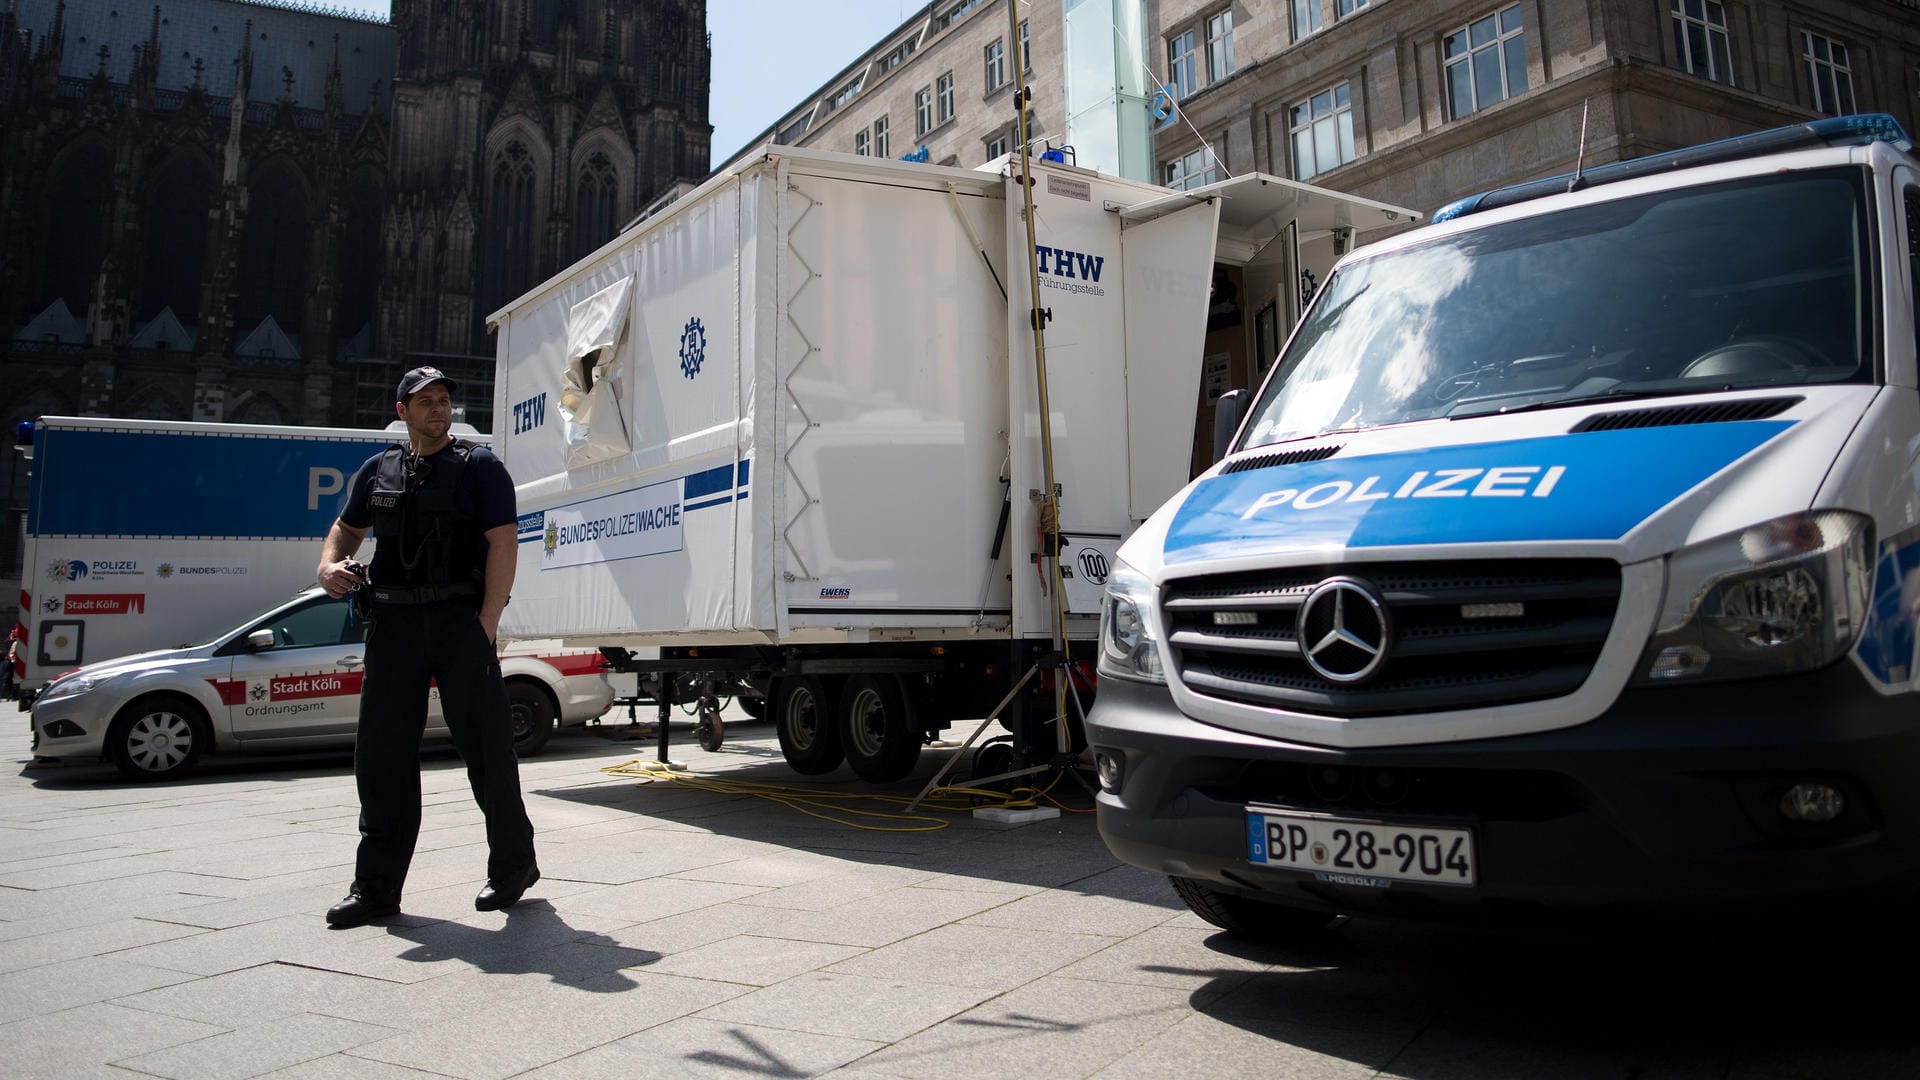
(788, 430)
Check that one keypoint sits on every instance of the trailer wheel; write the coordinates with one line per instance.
(1253, 920)
(711, 730)
(158, 737)
(881, 742)
(532, 712)
(803, 715)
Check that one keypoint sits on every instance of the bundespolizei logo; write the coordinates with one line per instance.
(693, 347)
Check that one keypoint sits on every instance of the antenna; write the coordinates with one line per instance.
(1580, 159)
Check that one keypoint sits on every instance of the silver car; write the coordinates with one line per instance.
(287, 680)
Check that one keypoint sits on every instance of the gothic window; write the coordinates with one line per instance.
(596, 201)
(79, 198)
(150, 402)
(510, 212)
(275, 239)
(179, 196)
(356, 278)
(256, 409)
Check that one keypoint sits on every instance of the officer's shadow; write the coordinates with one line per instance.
(535, 940)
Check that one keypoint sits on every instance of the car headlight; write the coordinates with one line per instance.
(69, 686)
(1128, 648)
(1787, 595)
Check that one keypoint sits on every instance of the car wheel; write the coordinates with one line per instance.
(158, 737)
(876, 730)
(803, 713)
(1254, 920)
(532, 712)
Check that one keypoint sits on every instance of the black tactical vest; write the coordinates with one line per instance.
(423, 519)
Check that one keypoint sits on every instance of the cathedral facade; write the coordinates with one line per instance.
(259, 211)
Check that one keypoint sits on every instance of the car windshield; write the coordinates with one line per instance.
(1759, 282)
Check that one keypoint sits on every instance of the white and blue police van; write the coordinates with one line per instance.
(1568, 559)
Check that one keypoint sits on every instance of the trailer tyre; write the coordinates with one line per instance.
(158, 737)
(532, 712)
(878, 732)
(1254, 920)
(803, 716)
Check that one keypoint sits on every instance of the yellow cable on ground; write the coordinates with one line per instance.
(827, 805)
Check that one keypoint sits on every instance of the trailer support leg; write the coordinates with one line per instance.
(667, 683)
(955, 759)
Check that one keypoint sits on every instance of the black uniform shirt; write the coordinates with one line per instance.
(485, 497)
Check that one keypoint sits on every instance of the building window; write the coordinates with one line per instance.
(510, 206)
(1486, 63)
(861, 143)
(1321, 129)
(1344, 8)
(880, 138)
(996, 146)
(845, 95)
(954, 14)
(1220, 46)
(1180, 62)
(1026, 55)
(1306, 18)
(596, 199)
(943, 91)
(1829, 75)
(1700, 39)
(996, 64)
(1192, 171)
(792, 132)
(898, 56)
(923, 110)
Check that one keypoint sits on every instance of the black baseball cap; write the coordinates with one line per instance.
(422, 377)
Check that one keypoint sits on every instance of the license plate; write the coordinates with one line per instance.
(1352, 852)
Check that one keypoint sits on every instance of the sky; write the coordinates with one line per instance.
(767, 54)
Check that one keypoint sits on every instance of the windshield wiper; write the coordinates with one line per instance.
(1615, 394)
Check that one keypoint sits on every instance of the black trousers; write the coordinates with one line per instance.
(408, 646)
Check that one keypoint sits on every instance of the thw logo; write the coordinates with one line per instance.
(1068, 264)
(530, 414)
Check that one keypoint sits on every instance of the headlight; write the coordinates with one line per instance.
(69, 686)
(1128, 648)
(1787, 595)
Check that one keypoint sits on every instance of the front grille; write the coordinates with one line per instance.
(1234, 635)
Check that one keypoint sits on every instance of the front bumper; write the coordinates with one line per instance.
(69, 728)
(1667, 801)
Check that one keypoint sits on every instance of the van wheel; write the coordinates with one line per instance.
(532, 712)
(878, 732)
(1254, 920)
(159, 737)
(803, 715)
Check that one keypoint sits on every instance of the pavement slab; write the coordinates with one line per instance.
(175, 930)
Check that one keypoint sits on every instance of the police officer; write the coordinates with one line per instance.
(442, 510)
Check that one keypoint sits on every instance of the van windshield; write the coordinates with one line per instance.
(1761, 282)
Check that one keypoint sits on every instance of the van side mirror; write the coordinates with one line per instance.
(1228, 410)
(259, 640)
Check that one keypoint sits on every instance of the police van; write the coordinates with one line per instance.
(1568, 559)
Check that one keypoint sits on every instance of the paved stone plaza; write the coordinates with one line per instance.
(176, 931)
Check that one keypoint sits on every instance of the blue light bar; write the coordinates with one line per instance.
(1832, 131)
(23, 433)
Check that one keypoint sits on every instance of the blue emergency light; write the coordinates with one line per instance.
(1832, 131)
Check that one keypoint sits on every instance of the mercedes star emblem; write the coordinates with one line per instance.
(1343, 630)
